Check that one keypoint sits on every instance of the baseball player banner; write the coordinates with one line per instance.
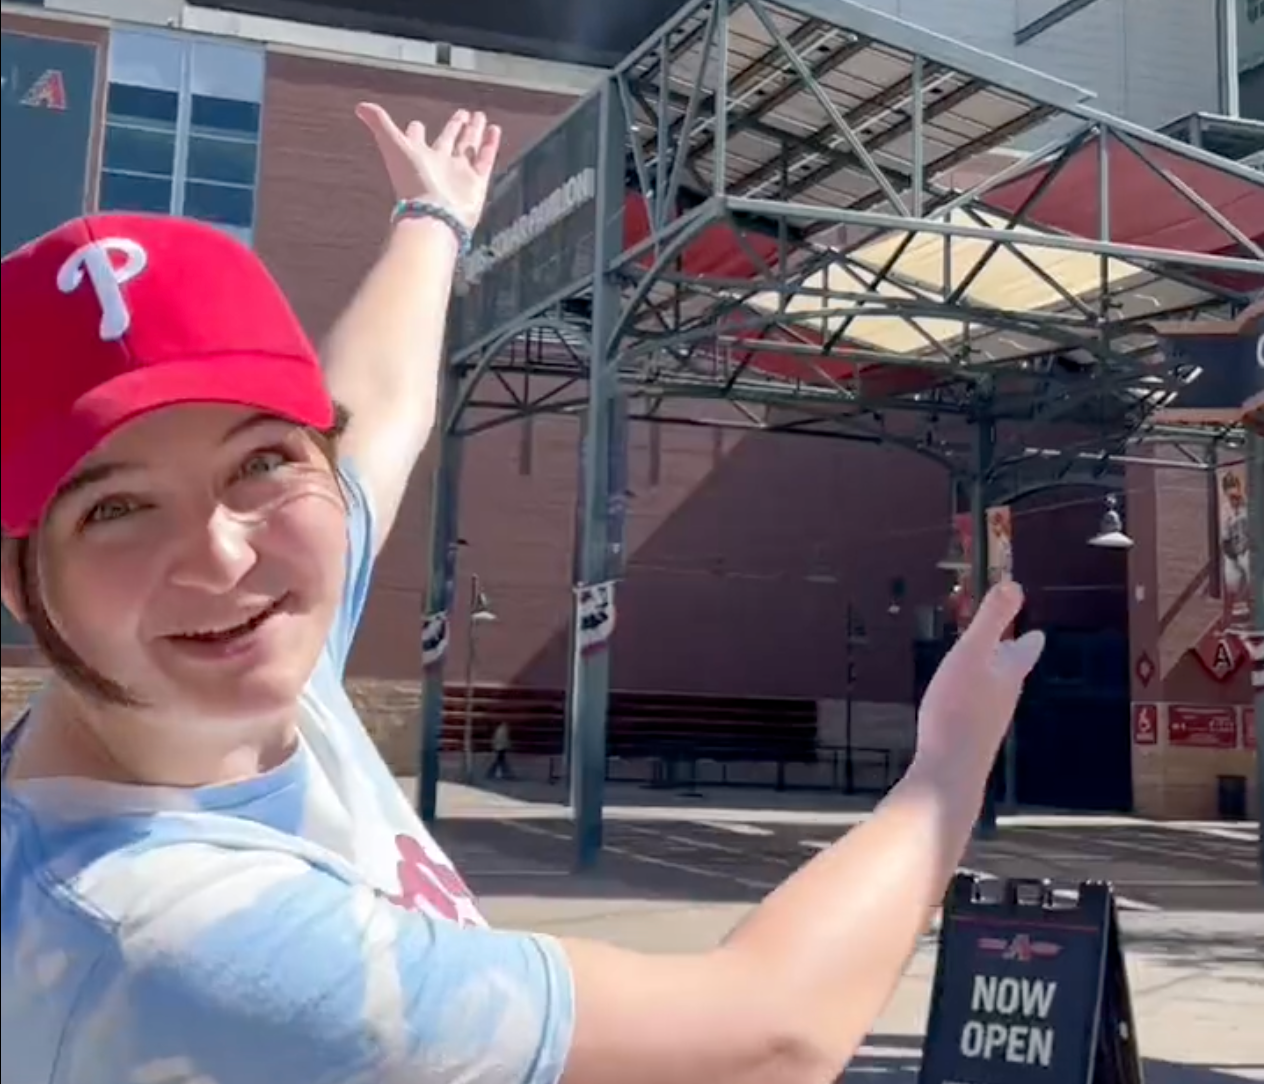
(1000, 522)
(1235, 546)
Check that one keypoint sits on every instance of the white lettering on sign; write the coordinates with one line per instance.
(1007, 996)
(95, 263)
(561, 203)
(1023, 1043)
(1015, 1044)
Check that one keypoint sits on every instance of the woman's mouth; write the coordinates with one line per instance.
(235, 632)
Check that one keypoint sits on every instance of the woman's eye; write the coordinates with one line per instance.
(111, 508)
(262, 463)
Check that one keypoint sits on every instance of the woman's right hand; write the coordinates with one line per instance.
(971, 699)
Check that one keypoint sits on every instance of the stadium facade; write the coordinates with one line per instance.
(751, 558)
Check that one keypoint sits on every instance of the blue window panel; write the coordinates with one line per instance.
(142, 105)
(227, 161)
(128, 192)
(227, 205)
(224, 116)
(139, 150)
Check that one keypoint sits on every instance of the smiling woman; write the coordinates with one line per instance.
(208, 872)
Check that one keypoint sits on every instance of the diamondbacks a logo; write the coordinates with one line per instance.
(1020, 948)
(106, 266)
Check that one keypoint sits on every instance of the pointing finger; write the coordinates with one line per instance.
(382, 127)
(1000, 606)
(451, 132)
(1017, 658)
(486, 160)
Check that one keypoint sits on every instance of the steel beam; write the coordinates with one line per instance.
(887, 223)
(980, 477)
(588, 692)
(440, 586)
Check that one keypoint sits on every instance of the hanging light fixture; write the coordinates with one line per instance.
(955, 559)
(481, 612)
(1110, 535)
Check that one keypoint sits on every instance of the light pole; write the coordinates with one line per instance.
(856, 637)
(481, 613)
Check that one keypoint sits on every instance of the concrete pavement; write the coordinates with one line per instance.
(680, 875)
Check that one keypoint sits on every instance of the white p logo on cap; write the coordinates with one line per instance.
(95, 263)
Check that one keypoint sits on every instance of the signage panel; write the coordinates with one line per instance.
(46, 113)
(538, 234)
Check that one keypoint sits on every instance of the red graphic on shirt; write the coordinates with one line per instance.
(428, 884)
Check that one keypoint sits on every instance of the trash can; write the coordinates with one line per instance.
(1231, 797)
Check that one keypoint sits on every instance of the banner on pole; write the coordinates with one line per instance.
(596, 610)
(435, 637)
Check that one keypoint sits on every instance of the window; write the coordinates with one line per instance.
(182, 129)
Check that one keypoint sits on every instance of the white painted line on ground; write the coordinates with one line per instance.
(737, 828)
(688, 842)
(1237, 834)
(662, 863)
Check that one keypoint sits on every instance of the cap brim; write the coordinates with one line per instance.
(290, 388)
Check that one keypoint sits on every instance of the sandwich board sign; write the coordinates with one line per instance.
(1030, 989)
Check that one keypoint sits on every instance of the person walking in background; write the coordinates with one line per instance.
(500, 753)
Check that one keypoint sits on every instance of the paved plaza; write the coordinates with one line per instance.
(680, 872)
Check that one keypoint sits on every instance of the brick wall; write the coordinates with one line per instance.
(390, 711)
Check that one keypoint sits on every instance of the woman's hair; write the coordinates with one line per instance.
(60, 655)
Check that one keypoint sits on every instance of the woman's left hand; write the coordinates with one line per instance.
(454, 171)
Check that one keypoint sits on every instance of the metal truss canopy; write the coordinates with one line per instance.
(831, 213)
(822, 221)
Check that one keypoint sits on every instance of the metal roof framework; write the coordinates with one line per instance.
(824, 221)
(835, 218)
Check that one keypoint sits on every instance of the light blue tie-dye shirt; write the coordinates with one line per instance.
(298, 928)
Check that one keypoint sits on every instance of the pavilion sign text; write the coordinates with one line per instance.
(558, 205)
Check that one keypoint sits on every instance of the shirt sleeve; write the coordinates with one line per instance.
(268, 971)
(360, 560)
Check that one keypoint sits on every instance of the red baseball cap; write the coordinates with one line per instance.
(111, 316)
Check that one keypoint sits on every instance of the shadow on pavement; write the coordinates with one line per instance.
(895, 1059)
(706, 861)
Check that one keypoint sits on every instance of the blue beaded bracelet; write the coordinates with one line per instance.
(421, 208)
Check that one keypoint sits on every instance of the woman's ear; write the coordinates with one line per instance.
(11, 578)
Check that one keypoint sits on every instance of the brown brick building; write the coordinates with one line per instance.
(745, 552)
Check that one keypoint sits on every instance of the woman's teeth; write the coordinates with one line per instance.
(221, 635)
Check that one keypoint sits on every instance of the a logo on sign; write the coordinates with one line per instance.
(1221, 653)
(48, 91)
(95, 264)
(1021, 948)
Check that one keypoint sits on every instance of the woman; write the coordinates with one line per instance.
(208, 875)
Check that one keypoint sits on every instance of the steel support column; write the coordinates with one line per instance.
(440, 587)
(1255, 528)
(588, 693)
(984, 456)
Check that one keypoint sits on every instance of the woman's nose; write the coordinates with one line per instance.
(217, 554)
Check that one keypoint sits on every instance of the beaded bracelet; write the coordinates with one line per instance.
(421, 208)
